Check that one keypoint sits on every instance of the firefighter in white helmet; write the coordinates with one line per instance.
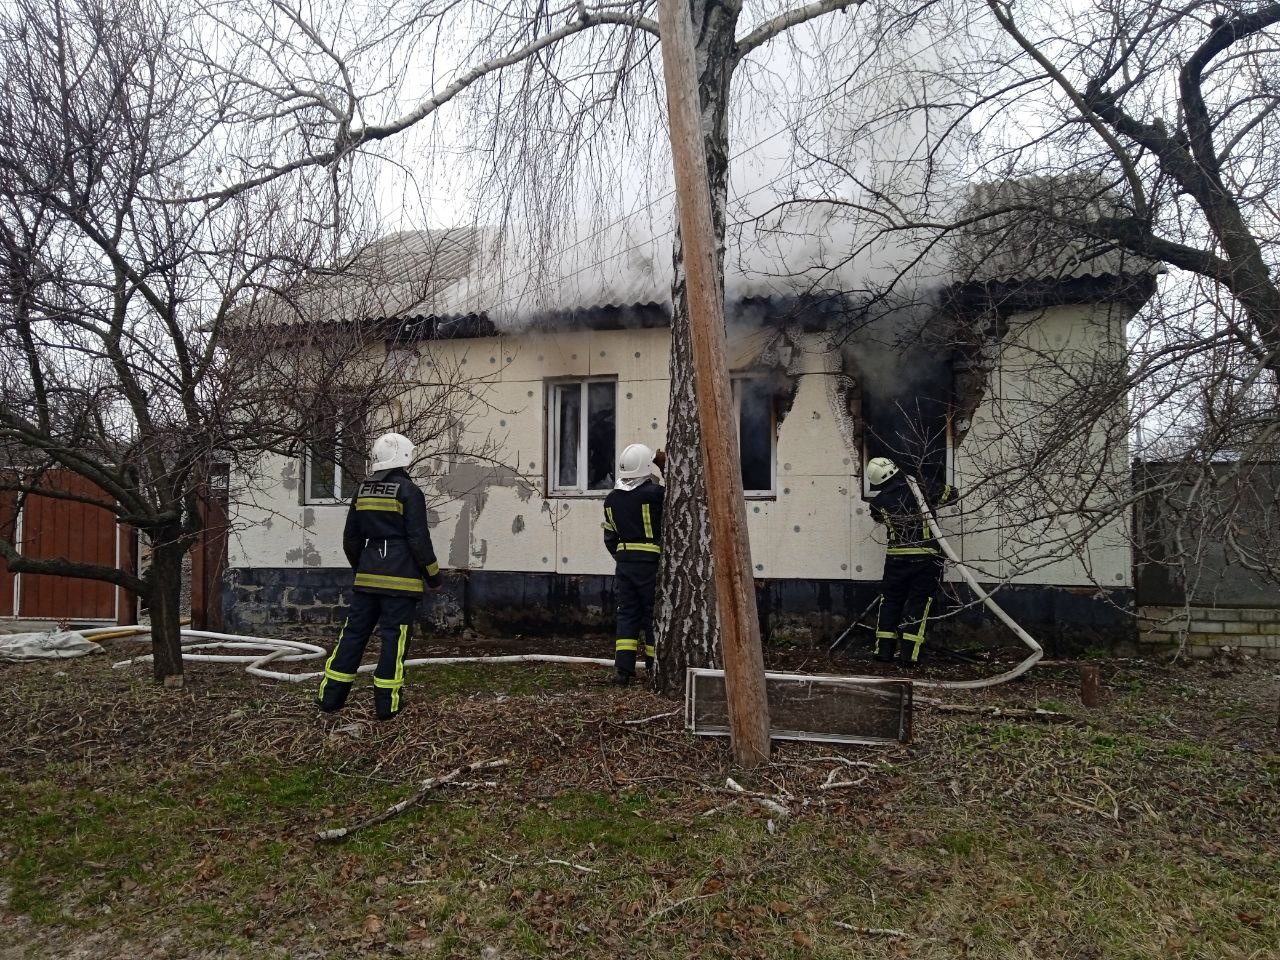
(912, 562)
(388, 545)
(633, 536)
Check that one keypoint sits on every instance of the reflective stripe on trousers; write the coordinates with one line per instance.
(393, 615)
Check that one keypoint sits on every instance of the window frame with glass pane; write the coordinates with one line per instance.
(344, 468)
(764, 386)
(587, 436)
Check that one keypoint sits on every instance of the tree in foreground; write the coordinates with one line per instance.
(1105, 131)
(114, 288)
(125, 352)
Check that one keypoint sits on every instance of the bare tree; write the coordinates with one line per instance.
(133, 352)
(113, 292)
(1108, 135)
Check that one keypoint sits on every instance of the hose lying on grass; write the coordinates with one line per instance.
(291, 651)
(270, 650)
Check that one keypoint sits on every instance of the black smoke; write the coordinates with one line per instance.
(900, 355)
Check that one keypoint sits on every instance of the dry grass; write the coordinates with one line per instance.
(140, 822)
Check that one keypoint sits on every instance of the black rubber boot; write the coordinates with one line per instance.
(884, 648)
(333, 696)
(909, 653)
(382, 704)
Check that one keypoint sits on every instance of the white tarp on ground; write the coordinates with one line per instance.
(56, 645)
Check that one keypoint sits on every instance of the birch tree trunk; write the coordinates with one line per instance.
(686, 618)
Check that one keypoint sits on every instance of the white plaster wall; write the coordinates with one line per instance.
(808, 530)
(272, 527)
(1031, 540)
(816, 526)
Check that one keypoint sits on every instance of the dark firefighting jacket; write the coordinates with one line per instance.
(909, 531)
(633, 522)
(386, 539)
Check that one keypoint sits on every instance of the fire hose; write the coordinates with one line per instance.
(1037, 652)
(271, 650)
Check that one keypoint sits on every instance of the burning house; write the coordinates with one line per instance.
(974, 382)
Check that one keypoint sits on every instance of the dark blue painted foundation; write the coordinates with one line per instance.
(1066, 620)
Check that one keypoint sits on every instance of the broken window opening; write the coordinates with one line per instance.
(916, 432)
(756, 416)
(583, 436)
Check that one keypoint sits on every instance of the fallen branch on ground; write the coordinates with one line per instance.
(771, 804)
(574, 866)
(1087, 807)
(553, 735)
(338, 833)
(864, 764)
(677, 905)
(1003, 713)
(833, 784)
(656, 716)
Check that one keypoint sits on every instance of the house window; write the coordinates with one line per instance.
(757, 434)
(334, 459)
(583, 436)
(915, 433)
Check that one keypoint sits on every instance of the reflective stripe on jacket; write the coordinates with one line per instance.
(633, 522)
(386, 539)
(909, 532)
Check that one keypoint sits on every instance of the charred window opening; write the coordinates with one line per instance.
(761, 354)
(902, 394)
(756, 408)
(583, 436)
(914, 430)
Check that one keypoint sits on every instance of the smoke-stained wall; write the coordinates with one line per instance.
(814, 529)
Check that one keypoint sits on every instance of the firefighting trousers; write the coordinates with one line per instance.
(393, 615)
(634, 585)
(907, 590)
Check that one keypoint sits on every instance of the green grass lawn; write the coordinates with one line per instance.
(135, 822)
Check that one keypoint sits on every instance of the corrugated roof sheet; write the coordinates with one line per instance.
(1027, 232)
(401, 275)
(518, 277)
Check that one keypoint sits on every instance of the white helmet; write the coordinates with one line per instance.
(391, 450)
(880, 470)
(635, 466)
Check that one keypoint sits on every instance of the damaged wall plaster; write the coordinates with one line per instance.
(814, 525)
(307, 554)
(470, 483)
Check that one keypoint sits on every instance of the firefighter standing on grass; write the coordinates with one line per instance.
(633, 536)
(388, 545)
(912, 562)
